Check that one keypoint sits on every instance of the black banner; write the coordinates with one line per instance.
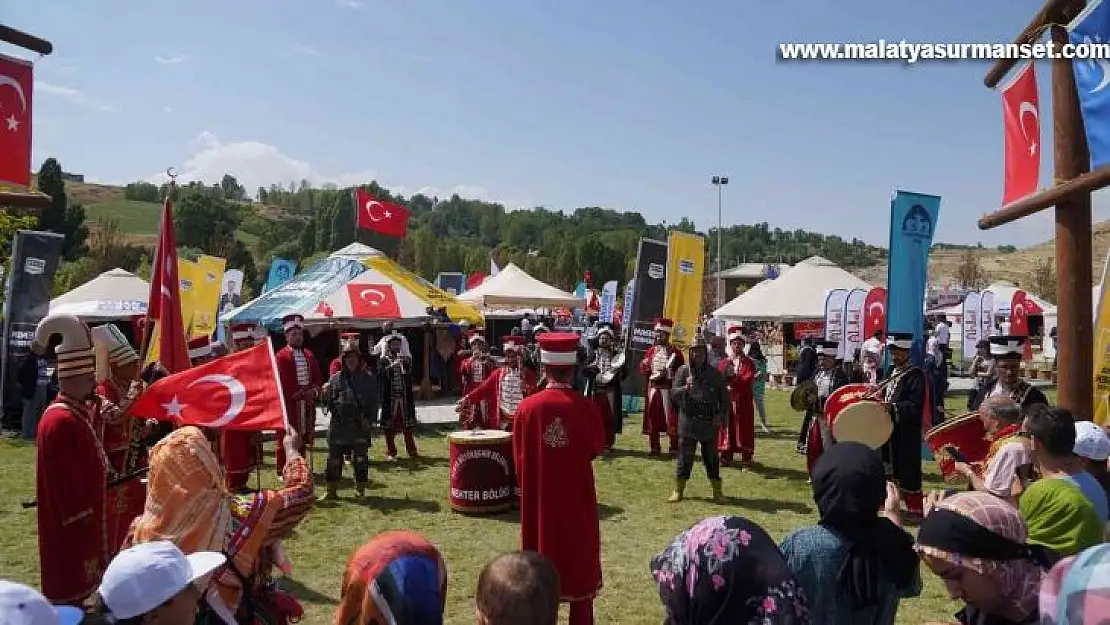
(27, 294)
(647, 305)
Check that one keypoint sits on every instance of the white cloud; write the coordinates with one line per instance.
(171, 60)
(352, 4)
(306, 50)
(167, 109)
(74, 96)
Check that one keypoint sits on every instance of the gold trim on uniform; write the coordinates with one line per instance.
(555, 435)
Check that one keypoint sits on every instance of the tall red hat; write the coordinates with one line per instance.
(736, 332)
(558, 349)
(476, 335)
(200, 347)
(512, 341)
(663, 324)
(289, 322)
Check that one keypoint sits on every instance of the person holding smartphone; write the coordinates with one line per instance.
(997, 474)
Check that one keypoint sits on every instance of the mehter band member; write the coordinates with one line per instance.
(241, 451)
(660, 363)
(398, 412)
(556, 436)
(337, 363)
(738, 432)
(607, 370)
(352, 397)
(701, 398)
(72, 472)
(200, 351)
(829, 377)
(1007, 353)
(117, 374)
(907, 397)
(475, 370)
(504, 389)
(300, 381)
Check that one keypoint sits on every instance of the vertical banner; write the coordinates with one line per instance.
(206, 297)
(30, 285)
(834, 316)
(986, 314)
(626, 306)
(685, 270)
(580, 290)
(972, 328)
(1102, 349)
(231, 290)
(874, 306)
(17, 76)
(647, 305)
(608, 301)
(1019, 321)
(853, 324)
(913, 219)
(189, 277)
(281, 271)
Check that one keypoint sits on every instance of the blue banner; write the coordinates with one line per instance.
(608, 301)
(913, 220)
(281, 271)
(629, 289)
(1092, 79)
(580, 290)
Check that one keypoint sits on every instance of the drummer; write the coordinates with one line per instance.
(997, 473)
(906, 395)
(828, 378)
(504, 389)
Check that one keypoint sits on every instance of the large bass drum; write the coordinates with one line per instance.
(966, 435)
(853, 415)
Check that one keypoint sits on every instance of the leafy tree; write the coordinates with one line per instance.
(1042, 279)
(204, 221)
(231, 188)
(142, 192)
(61, 217)
(970, 273)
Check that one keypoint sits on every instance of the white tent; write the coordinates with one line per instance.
(797, 295)
(115, 294)
(513, 288)
(1004, 294)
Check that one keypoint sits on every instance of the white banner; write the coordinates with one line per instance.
(986, 315)
(853, 324)
(608, 301)
(834, 314)
(972, 325)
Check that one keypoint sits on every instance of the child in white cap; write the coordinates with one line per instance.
(1092, 446)
(155, 583)
(23, 605)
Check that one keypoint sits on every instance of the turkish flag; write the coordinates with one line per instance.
(1019, 320)
(383, 217)
(373, 301)
(1021, 120)
(16, 86)
(241, 391)
(475, 280)
(164, 305)
(874, 312)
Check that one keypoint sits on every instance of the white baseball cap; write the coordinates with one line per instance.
(1091, 441)
(141, 578)
(23, 605)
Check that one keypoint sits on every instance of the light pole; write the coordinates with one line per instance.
(719, 182)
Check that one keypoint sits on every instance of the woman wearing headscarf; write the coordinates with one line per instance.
(976, 543)
(870, 557)
(1077, 590)
(727, 571)
(397, 577)
(188, 503)
(1059, 516)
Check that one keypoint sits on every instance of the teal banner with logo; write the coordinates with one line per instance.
(913, 220)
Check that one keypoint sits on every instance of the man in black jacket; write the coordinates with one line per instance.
(1007, 352)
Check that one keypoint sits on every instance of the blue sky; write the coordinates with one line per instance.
(617, 103)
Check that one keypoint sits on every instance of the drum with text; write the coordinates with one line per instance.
(482, 477)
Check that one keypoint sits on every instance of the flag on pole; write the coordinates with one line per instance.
(164, 307)
(1092, 79)
(1021, 121)
(375, 215)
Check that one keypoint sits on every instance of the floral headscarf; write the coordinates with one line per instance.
(727, 570)
(1077, 590)
(397, 577)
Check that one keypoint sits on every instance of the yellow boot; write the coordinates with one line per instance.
(718, 492)
(679, 489)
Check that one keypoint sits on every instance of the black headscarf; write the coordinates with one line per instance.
(849, 488)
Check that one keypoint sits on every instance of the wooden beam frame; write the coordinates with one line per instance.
(1053, 12)
(24, 40)
(1033, 204)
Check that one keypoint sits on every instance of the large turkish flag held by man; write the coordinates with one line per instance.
(16, 85)
(241, 391)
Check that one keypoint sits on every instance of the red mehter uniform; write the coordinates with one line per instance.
(475, 370)
(738, 435)
(242, 451)
(300, 378)
(504, 389)
(557, 434)
(659, 364)
(71, 474)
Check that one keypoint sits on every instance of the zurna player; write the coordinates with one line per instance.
(659, 365)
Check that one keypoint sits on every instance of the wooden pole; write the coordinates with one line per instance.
(1075, 357)
(24, 40)
(1048, 198)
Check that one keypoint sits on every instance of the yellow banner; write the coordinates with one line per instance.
(191, 277)
(209, 275)
(1102, 349)
(433, 295)
(685, 270)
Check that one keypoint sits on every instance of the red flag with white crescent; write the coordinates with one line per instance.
(1019, 321)
(1021, 121)
(16, 86)
(874, 312)
(373, 301)
(240, 391)
(386, 218)
(164, 306)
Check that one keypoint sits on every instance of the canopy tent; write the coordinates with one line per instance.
(115, 294)
(1004, 295)
(796, 295)
(357, 286)
(512, 287)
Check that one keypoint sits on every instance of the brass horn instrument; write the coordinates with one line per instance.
(877, 392)
(804, 396)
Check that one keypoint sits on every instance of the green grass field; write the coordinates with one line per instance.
(636, 522)
(133, 217)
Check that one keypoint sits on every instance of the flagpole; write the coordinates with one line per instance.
(148, 327)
